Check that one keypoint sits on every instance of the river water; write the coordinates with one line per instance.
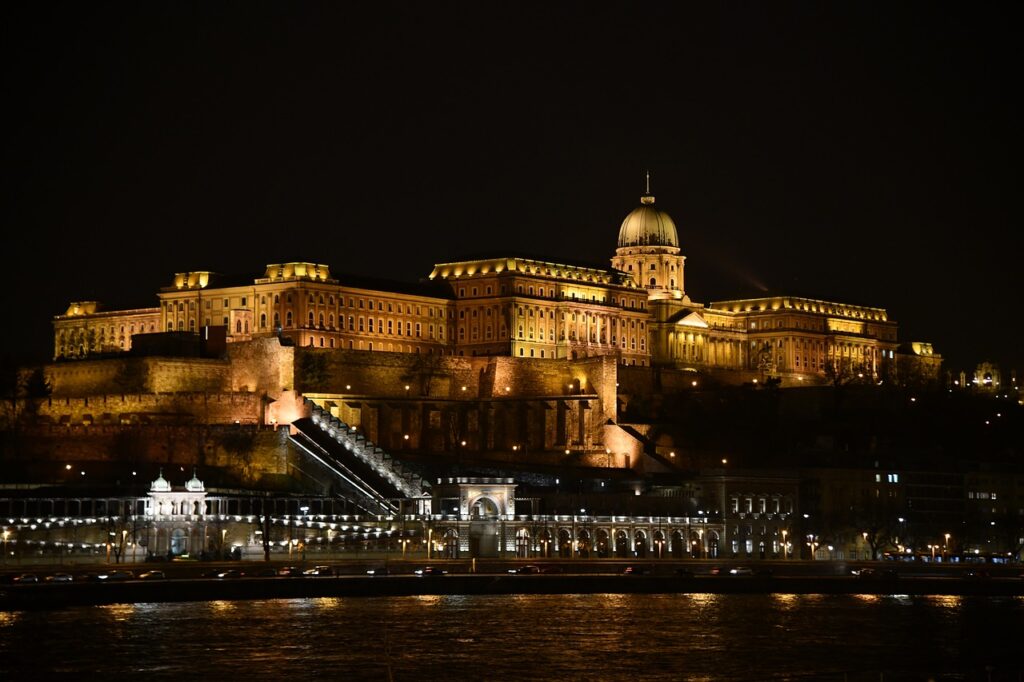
(530, 637)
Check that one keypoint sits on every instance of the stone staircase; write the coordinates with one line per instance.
(384, 465)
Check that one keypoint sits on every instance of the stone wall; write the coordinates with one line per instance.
(166, 408)
(262, 366)
(246, 454)
(136, 375)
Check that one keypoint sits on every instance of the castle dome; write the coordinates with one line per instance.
(647, 226)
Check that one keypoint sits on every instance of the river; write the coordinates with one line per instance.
(548, 637)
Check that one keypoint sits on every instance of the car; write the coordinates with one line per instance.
(430, 571)
(60, 578)
(637, 570)
(382, 570)
(890, 573)
(741, 570)
(230, 573)
(717, 570)
(152, 575)
(977, 574)
(290, 571)
(528, 569)
(319, 570)
(684, 573)
(116, 575)
(866, 572)
(764, 572)
(26, 578)
(551, 569)
(212, 573)
(266, 573)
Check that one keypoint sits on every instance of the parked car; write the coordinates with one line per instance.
(430, 571)
(764, 572)
(717, 570)
(60, 578)
(231, 573)
(266, 573)
(152, 575)
(865, 572)
(116, 575)
(741, 570)
(382, 570)
(290, 571)
(684, 573)
(637, 570)
(26, 578)
(319, 570)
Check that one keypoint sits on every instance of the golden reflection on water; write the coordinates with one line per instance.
(785, 602)
(948, 601)
(327, 602)
(867, 598)
(120, 612)
(704, 599)
(8, 618)
(222, 607)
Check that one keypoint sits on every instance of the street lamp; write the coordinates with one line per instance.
(945, 548)
(7, 534)
(784, 533)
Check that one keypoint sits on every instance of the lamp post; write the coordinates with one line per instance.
(7, 534)
(223, 538)
(784, 547)
(932, 548)
(945, 547)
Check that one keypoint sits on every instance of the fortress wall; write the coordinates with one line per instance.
(136, 375)
(208, 408)
(262, 366)
(247, 453)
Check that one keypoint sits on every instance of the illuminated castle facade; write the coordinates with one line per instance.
(636, 311)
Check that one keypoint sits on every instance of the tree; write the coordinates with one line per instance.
(424, 369)
(313, 373)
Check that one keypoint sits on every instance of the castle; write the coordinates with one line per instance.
(637, 311)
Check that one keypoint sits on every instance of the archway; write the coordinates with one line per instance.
(602, 544)
(451, 544)
(484, 508)
(522, 543)
(179, 542)
(621, 544)
(659, 544)
(640, 544)
(564, 544)
(676, 545)
(696, 545)
(713, 545)
(583, 544)
(544, 544)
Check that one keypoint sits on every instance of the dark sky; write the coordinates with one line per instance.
(854, 151)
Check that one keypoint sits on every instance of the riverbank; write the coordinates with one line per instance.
(58, 595)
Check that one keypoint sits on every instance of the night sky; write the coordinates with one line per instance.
(850, 151)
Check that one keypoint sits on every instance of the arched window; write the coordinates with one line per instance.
(238, 326)
(277, 319)
(263, 320)
(654, 282)
(310, 318)
(288, 319)
(277, 298)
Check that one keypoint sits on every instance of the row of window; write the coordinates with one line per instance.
(361, 303)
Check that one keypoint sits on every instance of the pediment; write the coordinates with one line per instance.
(691, 319)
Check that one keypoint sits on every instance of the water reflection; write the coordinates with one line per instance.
(598, 636)
(945, 600)
(119, 612)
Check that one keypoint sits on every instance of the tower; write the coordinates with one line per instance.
(648, 249)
